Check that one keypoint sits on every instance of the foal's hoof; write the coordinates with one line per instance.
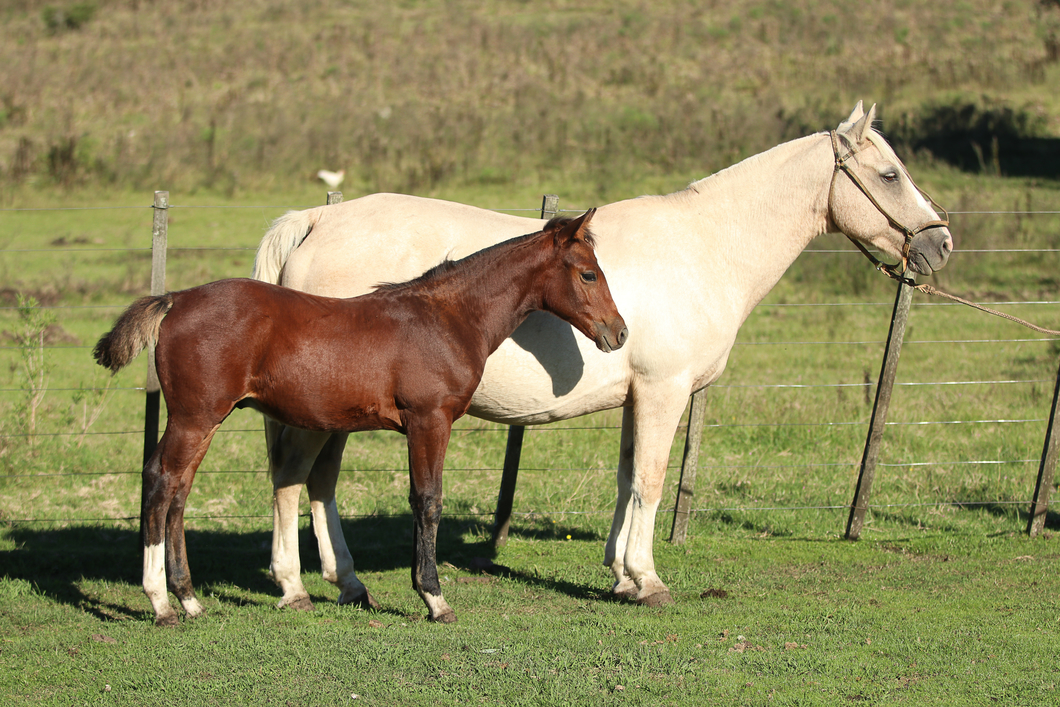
(363, 600)
(448, 617)
(166, 620)
(302, 603)
(662, 598)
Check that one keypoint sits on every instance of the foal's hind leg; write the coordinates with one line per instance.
(292, 452)
(167, 478)
(336, 563)
(178, 573)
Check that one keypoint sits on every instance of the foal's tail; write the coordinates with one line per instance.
(135, 329)
(285, 234)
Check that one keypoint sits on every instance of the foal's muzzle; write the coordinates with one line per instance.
(611, 337)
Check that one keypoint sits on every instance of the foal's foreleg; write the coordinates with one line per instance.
(336, 563)
(428, 438)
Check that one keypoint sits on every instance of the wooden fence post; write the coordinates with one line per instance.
(686, 487)
(1040, 505)
(899, 318)
(159, 228)
(502, 517)
(334, 197)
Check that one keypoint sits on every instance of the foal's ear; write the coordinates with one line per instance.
(856, 128)
(576, 229)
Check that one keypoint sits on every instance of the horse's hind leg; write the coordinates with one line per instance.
(167, 479)
(292, 453)
(336, 563)
(624, 585)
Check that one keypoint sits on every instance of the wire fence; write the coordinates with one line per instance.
(79, 253)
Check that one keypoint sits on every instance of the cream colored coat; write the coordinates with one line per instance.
(685, 270)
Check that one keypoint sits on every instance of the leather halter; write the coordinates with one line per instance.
(841, 165)
(891, 271)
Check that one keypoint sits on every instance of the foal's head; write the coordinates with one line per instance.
(576, 289)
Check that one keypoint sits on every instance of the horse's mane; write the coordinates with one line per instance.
(447, 266)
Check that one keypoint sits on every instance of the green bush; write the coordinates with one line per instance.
(60, 19)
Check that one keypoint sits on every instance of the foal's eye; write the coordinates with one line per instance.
(589, 276)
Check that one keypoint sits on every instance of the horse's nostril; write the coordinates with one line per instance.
(947, 245)
(622, 335)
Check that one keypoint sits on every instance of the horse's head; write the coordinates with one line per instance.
(873, 199)
(578, 291)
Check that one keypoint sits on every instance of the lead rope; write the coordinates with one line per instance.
(892, 271)
(929, 290)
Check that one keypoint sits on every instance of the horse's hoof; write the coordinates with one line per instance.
(657, 599)
(302, 603)
(625, 592)
(363, 600)
(166, 620)
(448, 617)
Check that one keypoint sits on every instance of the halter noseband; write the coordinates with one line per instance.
(889, 270)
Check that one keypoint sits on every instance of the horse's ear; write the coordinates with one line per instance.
(857, 131)
(855, 116)
(576, 229)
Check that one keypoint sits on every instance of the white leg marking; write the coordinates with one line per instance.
(437, 606)
(193, 607)
(155, 580)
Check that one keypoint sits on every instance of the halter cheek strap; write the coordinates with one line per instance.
(892, 271)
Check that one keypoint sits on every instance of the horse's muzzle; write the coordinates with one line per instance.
(930, 250)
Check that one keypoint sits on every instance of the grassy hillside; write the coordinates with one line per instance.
(419, 96)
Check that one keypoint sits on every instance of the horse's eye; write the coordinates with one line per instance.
(589, 276)
(890, 176)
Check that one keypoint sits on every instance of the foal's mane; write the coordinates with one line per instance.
(448, 266)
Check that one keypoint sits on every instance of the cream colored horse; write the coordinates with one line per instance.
(685, 270)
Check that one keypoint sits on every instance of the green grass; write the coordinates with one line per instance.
(253, 95)
(916, 617)
(944, 601)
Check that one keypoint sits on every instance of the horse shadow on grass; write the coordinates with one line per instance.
(232, 566)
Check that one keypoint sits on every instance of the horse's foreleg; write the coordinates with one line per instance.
(291, 455)
(336, 563)
(427, 441)
(615, 550)
(656, 413)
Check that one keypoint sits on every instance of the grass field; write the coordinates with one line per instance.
(944, 601)
(234, 106)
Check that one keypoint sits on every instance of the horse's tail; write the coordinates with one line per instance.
(135, 329)
(285, 234)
